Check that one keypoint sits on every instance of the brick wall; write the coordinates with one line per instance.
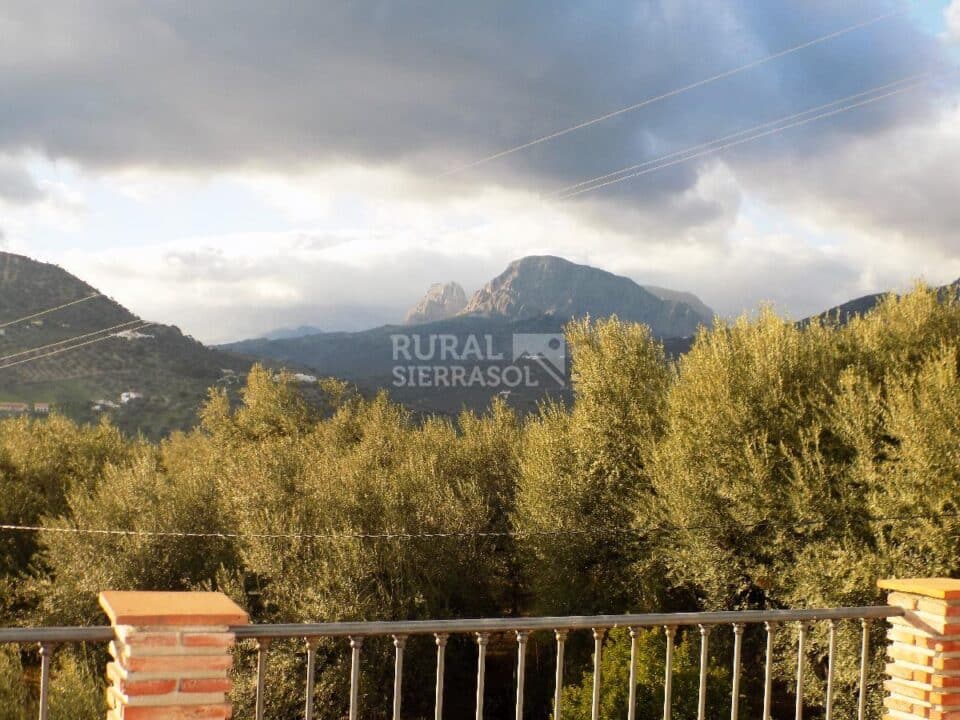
(171, 654)
(923, 675)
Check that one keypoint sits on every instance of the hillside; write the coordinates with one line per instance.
(862, 305)
(170, 370)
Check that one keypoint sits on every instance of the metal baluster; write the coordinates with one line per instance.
(598, 635)
(311, 672)
(864, 660)
(263, 644)
(399, 642)
(832, 649)
(704, 650)
(668, 676)
(355, 644)
(521, 669)
(561, 636)
(738, 629)
(441, 655)
(46, 652)
(632, 695)
(482, 640)
(801, 650)
(771, 628)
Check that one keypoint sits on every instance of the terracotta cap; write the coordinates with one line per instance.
(171, 608)
(941, 588)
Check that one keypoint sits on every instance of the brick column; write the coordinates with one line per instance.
(924, 650)
(171, 654)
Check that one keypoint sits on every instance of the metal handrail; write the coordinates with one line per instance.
(573, 622)
(104, 633)
(54, 635)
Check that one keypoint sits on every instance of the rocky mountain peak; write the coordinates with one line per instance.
(548, 285)
(442, 301)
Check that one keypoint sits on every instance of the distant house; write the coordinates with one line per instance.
(14, 407)
(126, 397)
(132, 335)
(42, 408)
(104, 404)
(297, 378)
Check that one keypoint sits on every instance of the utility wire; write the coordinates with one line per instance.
(47, 312)
(455, 534)
(672, 93)
(731, 136)
(72, 347)
(734, 143)
(4, 358)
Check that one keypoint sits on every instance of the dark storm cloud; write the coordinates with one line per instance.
(233, 83)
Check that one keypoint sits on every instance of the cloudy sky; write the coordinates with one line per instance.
(234, 166)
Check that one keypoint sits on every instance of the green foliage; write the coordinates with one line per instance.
(775, 465)
(76, 688)
(588, 469)
(75, 692)
(14, 696)
(651, 650)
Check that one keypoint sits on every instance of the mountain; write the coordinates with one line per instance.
(860, 306)
(292, 332)
(442, 301)
(529, 302)
(97, 349)
(547, 285)
(679, 296)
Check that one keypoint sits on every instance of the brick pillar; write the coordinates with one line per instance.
(924, 649)
(171, 654)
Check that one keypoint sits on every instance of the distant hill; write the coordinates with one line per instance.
(862, 305)
(366, 358)
(170, 370)
(292, 332)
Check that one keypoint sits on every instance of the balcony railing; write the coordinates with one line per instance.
(520, 629)
(599, 625)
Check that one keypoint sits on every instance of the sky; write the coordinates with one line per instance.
(234, 166)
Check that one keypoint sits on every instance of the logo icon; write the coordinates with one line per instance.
(548, 350)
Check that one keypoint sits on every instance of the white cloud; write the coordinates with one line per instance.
(17, 186)
(951, 16)
(349, 247)
(355, 263)
(898, 184)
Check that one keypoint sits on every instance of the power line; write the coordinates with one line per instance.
(725, 146)
(459, 534)
(47, 312)
(4, 358)
(671, 93)
(72, 347)
(755, 128)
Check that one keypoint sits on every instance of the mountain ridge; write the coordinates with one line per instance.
(172, 371)
(550, 285)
